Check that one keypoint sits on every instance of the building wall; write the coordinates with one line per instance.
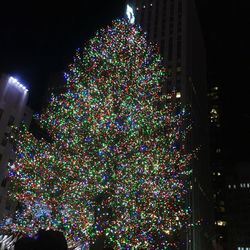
(218, 176)
(174, 26)
(13, 99)
(237, 190)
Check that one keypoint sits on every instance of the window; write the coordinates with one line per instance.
(218, 150)
(171, 10)
(156, 19)
(162, 47)
(171, 28)
(229, 186)
(178, 94)
(179, 28)
(170, 49)
(163, 26)
(178, 69)
(221, 223)
(179, 49)
(178, 84)
(179, 8)
(222, 209)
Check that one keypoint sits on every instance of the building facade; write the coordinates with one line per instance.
(174, 26)
(237, 190)
(216, 163)
(13, 109)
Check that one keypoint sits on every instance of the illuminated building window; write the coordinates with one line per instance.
(178, 94)
(214, 115)
(221, 223)
(222, 209)
(248, 185)
(234, 186)
(178, 69)
(218, 150)
(229, 186)
(219, 174)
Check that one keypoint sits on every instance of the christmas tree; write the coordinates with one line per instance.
(115, 165)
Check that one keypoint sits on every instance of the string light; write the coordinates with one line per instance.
(116, 165)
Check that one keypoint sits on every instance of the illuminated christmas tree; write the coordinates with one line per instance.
(115, 165)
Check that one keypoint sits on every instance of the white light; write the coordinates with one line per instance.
(15, 82)
(178, 95)
(130, 14)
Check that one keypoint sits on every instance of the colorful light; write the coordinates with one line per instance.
(116, 166)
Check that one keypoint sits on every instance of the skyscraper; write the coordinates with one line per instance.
(237, 194)
(13, 109)
(174, 26)
(218, 175)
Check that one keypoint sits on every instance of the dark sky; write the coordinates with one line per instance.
(38, 40)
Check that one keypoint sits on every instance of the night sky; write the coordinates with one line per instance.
(36, 41)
